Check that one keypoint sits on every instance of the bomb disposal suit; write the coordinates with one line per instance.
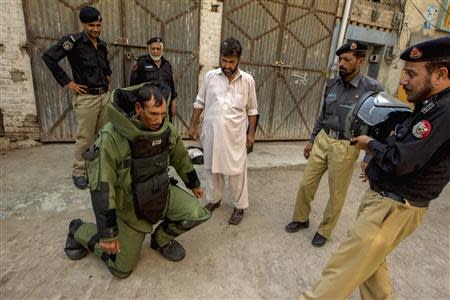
(131, 190)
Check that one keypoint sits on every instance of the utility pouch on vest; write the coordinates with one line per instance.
(150, 186)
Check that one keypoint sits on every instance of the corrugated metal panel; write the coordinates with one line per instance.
(286, 46)
(178, 24)
(44, 27)
(126, 26)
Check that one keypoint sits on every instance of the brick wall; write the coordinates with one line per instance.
(17, 102)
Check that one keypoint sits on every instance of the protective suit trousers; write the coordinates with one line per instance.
(338, 157)
(183, 213)
(238, 184)
(90, 112)
(360, 260)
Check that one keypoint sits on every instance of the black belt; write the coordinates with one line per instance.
(335, 134)
(400, 199)
(96, 91)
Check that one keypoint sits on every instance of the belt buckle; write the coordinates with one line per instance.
(390, 196)
(96, 91)
(333, 134)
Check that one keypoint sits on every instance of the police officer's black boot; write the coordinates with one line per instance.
(73, 249)
(173, 250)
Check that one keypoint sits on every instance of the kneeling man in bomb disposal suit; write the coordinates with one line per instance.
(408, 170)
(130, 188)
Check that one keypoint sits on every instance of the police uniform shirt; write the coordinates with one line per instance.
(146, 70)
(90, 66)
(339, 97)
(415, 162)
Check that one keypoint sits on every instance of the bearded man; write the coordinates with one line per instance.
(328, 149)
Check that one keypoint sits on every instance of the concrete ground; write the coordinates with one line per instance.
(255, 260)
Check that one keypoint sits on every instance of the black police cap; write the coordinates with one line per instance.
(89, 14)
(352, 46)
(428, 51)
(155, 39)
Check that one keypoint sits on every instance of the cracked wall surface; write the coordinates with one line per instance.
(17, 101)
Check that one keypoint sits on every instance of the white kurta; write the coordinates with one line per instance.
(226, 106)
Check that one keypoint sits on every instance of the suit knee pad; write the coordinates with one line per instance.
(189, 224)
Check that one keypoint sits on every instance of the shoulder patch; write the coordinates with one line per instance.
(68, 45)
(134, 67)
(421, 129)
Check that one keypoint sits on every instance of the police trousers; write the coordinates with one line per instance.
(182, 213)
(90, 112)
(338, 157)
(360, 260)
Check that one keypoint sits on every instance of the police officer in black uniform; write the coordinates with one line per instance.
(87, 55)
(154, 67)
(408, 170)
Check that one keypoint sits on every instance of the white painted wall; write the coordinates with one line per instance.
(210, 34)
(17, 100)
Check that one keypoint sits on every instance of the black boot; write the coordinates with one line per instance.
(173, 250)
(318, 240)
(73, 249)
(296, 226)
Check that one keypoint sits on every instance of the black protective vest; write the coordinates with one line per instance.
(150, 181)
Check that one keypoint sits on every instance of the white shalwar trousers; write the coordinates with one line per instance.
(238, 185)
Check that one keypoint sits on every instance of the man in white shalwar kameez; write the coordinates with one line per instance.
(228, 98)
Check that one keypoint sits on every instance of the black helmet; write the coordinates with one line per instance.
(375, 115)
(196, 155)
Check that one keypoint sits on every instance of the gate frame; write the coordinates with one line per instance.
(123, 46)
(279, 66)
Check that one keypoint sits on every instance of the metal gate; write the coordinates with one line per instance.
(286, 44)
(126, 26)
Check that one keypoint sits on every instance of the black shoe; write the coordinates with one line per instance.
(73, 249)
(318, 240)
(296, 226)
(236, 217)
(80, 182)
(212, 206)
(173, 250)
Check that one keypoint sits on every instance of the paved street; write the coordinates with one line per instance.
(256, 260)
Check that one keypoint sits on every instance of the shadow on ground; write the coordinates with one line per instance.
(256, 260)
